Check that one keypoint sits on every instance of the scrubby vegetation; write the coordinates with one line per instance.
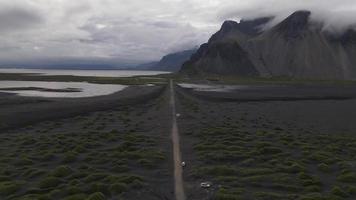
(266, 161)
(247, 157)
(103, 156)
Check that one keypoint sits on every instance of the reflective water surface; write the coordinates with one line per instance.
(97, 73)
(212, 88)
(68, 89)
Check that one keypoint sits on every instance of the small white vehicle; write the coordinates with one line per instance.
(177, 115)
(183, 164)
(205, 185)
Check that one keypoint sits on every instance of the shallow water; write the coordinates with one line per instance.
(86, 89)
(97, 73)
(212, 88)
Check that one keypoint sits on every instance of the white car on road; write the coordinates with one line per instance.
(205, 185)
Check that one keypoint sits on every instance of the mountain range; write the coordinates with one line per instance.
(171, 62)
(297, 47)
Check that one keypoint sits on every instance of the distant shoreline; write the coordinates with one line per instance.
(41, 89)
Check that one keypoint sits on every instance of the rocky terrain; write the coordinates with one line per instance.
(297, 47)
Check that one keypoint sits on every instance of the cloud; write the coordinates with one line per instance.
(334, 14)
(18, 18)
(137, 30)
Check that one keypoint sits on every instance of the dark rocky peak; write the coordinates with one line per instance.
(247, 27)
(228, 25)
(348, 38)
(200, 52)
(226, 28)
(253, 27)
(294, 25)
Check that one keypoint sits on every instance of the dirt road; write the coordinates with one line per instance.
(178, 171)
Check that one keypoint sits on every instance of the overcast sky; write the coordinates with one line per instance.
(135, 30)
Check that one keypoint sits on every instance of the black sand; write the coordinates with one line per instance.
(270, 142)
(18, 111)
(265, 143)
(116, 145)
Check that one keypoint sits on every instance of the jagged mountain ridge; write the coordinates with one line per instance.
(296, 47)
(223, 54)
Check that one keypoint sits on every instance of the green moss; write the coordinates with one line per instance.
(55, 194)
(34, 196)
(96, 196)
(146, 163)
(222, 196)
(344, 165)
(324, 168)
(62, 171)
(76, 197)
(312, 188)
(120, 168)
(268, 196)
(74, 182)
(321, 157)
(99, 187)
(347, 177)
(312, 196)
(294, 168)
(137, 184)
(351, 189)
(308, 180)
(129, 178)
(23, 162)
(4, 178)
(79, 149)
(95, 177)
(48, 157)
(226, 179)
(118, 188)
(28, 141)
(9, 187)
(248, 162)
(79, 175)
(220, 170)
(49, 182)
(255, 171)
(270, 150)
(69, 157)
(339, 192)
(32, 173)
(73, 190)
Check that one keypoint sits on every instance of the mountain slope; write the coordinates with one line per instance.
(171, 62)
(223, 53)
(296, 47)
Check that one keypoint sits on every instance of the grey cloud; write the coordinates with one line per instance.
(18, 18)
(77, 9)
(336, 15)
(165, 24)
(137, 30)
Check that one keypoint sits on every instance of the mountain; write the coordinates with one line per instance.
(171, 62)
(223, 54)
(296, 47)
